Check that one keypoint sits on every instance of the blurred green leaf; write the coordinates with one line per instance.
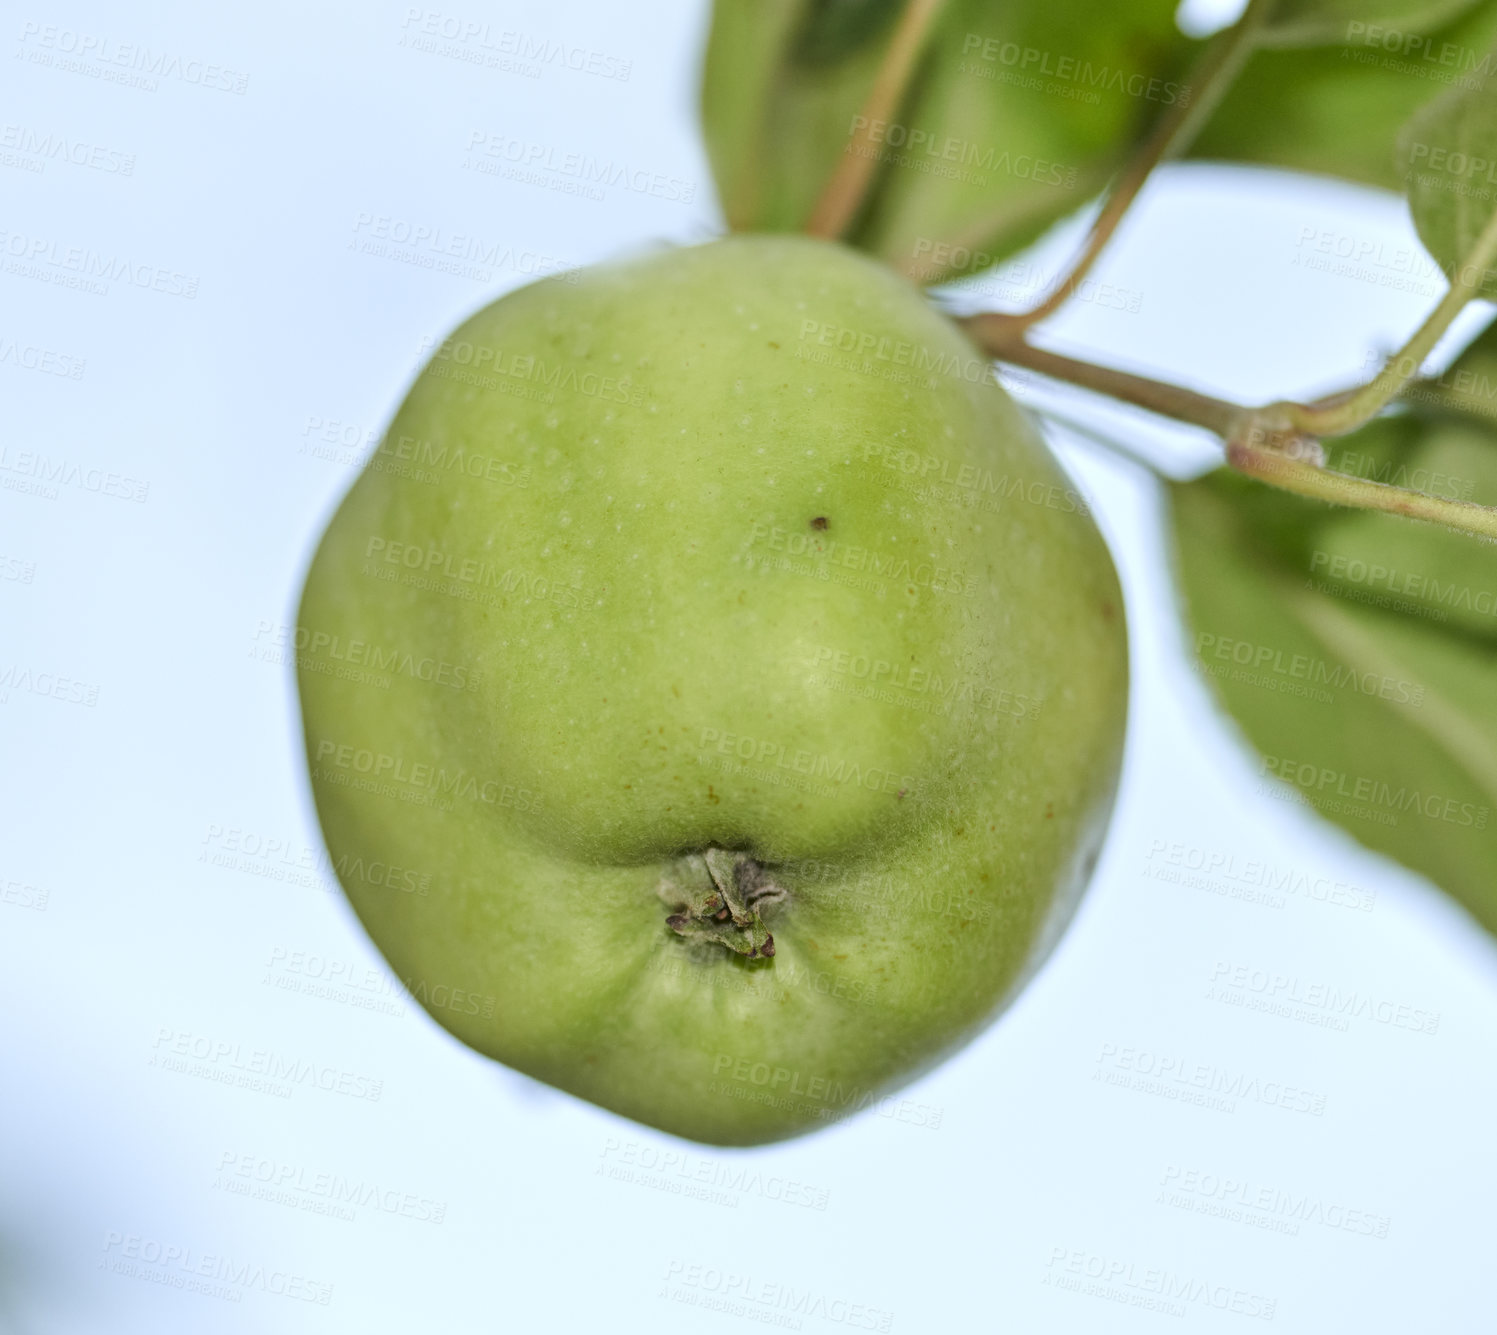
(1448, 154)
(782, 82)
(1022, 116)
(1358, 651)
(1017, 115)
(1338, 110)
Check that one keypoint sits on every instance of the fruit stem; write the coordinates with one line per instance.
(845, 192)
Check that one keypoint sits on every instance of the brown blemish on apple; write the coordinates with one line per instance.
(820, 522)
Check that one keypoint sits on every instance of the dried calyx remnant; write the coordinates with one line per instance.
(719, 895)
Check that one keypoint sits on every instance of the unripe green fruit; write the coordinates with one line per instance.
(727, 690)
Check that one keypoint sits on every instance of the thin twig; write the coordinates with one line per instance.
(997, 337)
(1361, 406)
(1209, 81)
(1307, 479)
(844, 193)
(1241, 429)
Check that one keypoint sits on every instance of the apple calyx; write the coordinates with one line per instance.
(718, 895)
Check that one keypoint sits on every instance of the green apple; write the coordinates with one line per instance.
(713, 689)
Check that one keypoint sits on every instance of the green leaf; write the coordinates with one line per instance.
(1016, 116)
(1322, 22)
(1337, 111)
(1448, 153)
(1358, 651)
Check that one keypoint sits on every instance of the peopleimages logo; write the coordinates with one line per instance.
(48, 685)
(1152, 1288)
(546, 378)
(210, 1274)
(433, 565)
(1373, 574)
(386, 234)
(1397, 473)
(293, 1184)
(1321, 784)
(30, 357)
(1276, 993)
(1235, 1197)
(51, 472)
(1182, 1078)
(950, 156)
(423, 775)
(1300, 667)
(83, 52)
(767, 1302)
(42, 257)
(1402, 43)
(309, 644)
(227, 1062)
(1028, 67)
(681, 1173)
(47, 144)
(828, 1098)
(523, 155)
(1249, 879)
(498, 47)
(969, 478)
(945, 692)
(897, 351)
(808, 763)
(864, 560)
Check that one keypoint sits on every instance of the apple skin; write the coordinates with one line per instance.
(650, 564)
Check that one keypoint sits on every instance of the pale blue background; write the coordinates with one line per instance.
(116, 810)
